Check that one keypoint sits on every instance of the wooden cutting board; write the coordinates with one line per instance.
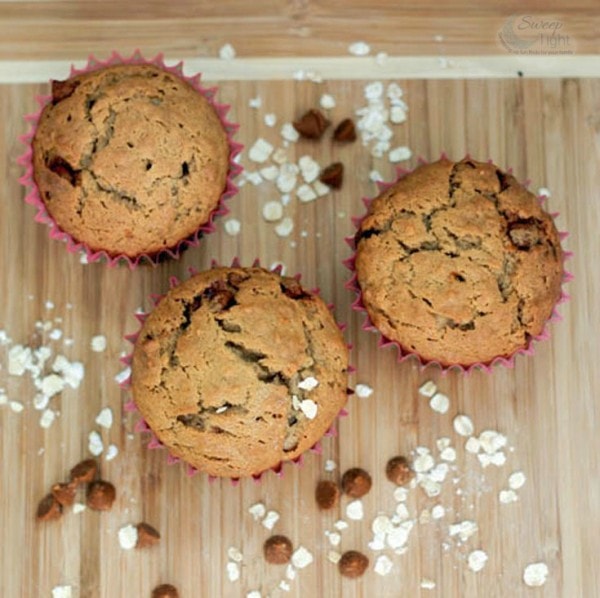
(548, 131)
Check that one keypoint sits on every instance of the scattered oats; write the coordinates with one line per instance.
(309, 169)
(492, 441)
(270, 119)
(428, 389)
(16, 406)
(61, 592)
(394, 92)
(402, 511)
(374, 90)
(255, 102)
(439, 402)
(463, 425)
(47, 419)
(253, 177)
(19, 359)
(400, 494)
(49, 305)
(309, 408)
(123, 375)
(380, 148)
(95, 444)
(545, 192)
(430, 487)
(477, 560)
(320, 188)
(257, 511)
(516, 480)
(498, 459)
(254, 594)
(4, 338)
(288, 176)
(72, 371)
(381, 58)
(233, 571)
(272, 211)
(535, 574)
(306, 193)
(397, 114)
(271, 518)
(423, 463)
(284, 585)
(363, 391)
(330, 465)
(375, 176)
(424, 517)
(340, 525)
(334, 557)
(227, 52)
(128, 537)
(111, 452)
(381, 525)
(377, 543)
(327, 101)
(3, 398)
(309, 383)
(55, 334)
(290, 572)
(98, 343)
(301, 558)
(427, 584)
(83, 258)
(507, 496)
(105, 418)
(280, 155)
(334, 538)
(398, 536)
(234, 554)
(448, 454)
(289, 133)
(269, 173)
(52, 385)
(472, 445)
(359, 48)
(464, 530)
(260, 151)
(285, 199)
(400, 154)
(383, 565)
(438, 512)
(78, 507)
(233, 226)
(285, 227)
(439, 472)
(355, 510)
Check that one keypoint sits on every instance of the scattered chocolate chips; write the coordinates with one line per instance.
(165, 590)
(312, 124)
(84, 472)
(353, 564)
(64, 493)
(147, 535)
(398, 471)
(101, 495)
(356, 482)
(48, 509)
(327, 494)
(345, 131)
(278, 550)
(63, 89)
(333, 175)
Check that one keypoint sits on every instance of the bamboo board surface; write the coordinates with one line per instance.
(548, 131)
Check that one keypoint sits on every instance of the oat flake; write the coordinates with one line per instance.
(463, 425)
(477, 560)
(535, 574)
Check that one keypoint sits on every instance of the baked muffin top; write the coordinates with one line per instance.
(238, 369)
(129, 159)
(459, 263)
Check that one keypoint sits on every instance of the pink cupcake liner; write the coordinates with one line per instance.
(404, 354)
(73, 246)
(141, 425)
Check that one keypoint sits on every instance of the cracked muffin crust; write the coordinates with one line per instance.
(226, 365)
(458, 263)
(129, 159)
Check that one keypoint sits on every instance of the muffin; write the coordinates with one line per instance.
(129, 159)
(458, 263)
(238, 369)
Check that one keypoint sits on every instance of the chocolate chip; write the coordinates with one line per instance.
(524, 234)
(278, 550)
(327, 494)
(398, 471)
(345, 131)
(356, 482)
(292, 289)
(101, 495)
(333, 175)
(165, 590)
(64, 493)
(147, 535)
(353, 564)
(59, 166)
(48, 509)
(84, 472)
(63, 89)
(312, 124)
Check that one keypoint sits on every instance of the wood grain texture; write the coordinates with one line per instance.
(45, 29)
(549, 132)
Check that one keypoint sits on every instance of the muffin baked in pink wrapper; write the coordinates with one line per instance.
(457, 265)
(134, 160)
(237, 370)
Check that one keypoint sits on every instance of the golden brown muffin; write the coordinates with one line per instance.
(129, 159)
(458, 263)
(238, 369)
